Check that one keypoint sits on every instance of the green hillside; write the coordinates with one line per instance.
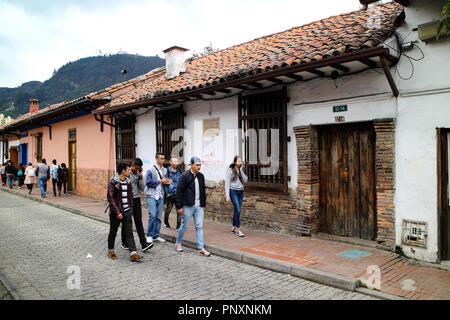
(76, 79)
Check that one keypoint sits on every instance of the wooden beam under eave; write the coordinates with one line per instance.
(368, 62)
(387, 72)
(340, 67)
(277, 81)
(294, 76)
(227, 91)
(317, 72)
(255, 84)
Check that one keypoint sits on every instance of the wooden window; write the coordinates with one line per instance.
(38, 153)
(125, 135)
(263, 115)
(168, 121)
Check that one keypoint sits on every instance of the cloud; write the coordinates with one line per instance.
(37, 37)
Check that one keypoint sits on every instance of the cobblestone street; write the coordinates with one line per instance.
(39, 244)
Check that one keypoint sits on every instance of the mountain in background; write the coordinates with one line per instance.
(76, 79)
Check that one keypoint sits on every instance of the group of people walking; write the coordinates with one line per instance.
(40, 174)
(186, 190)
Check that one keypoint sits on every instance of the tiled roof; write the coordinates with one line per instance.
(315, 41)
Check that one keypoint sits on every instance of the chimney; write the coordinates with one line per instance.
(34, 105)
(175, 61)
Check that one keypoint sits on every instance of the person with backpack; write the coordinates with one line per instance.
(54, 174)
(20, 176)
(191, 202)
(30, 177)
(155, 194)
(234, 191)
(63, 177)
(173, 173)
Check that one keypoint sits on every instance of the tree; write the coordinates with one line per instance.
(207, 50)
(444, 22)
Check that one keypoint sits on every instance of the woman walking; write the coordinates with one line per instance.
(234, 191)
(30, 177)
(63, 177)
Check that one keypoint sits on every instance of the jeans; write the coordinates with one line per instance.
(155, 208)
(137, 215)
(42, 182)
(60, 185)
(54, 184)
(188, 213)
(20, 181)
(169, 204)
(10, 180)
(127, 225)
(236, 197)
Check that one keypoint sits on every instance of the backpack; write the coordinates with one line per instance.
(19, 173)
(60, 174)
(31, 172)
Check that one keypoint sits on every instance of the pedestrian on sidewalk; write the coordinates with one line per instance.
(234, 191)
(20, 175)
(120, 198)
(54, 174)
(30, 177)
(191, 202)
(173, 173)
(43, 175)
(154, 194)
(3, 173)
(138, 185)
(63, 177)
(10, 173)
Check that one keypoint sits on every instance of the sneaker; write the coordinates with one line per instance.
(135, 257)
(167, 226)
(149, 239)
(112, 255)
(239, 233)
(124, 246)
(204, 252)
(159, 239)
(178, 247)
(147, 246)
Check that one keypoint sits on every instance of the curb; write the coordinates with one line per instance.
(314, 275)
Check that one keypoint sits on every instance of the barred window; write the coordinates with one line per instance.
(263, 119)
(125, 143)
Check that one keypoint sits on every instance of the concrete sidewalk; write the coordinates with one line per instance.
(346, 266)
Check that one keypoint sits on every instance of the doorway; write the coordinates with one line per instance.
(443, 139)
(347, 199)
(72, 161)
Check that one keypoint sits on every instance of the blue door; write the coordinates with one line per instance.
(24, 154)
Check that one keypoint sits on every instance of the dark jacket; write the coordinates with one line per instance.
(115, 195)
(186, 190)
(10, 169)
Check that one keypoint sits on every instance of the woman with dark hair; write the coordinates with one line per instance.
(234, 191)
(63, 178)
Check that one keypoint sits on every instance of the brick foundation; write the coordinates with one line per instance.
(93, 183)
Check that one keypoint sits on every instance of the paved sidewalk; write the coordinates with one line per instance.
(399, 276)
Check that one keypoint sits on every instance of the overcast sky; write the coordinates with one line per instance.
(37, 37)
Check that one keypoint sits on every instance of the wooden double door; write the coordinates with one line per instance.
(347, 180)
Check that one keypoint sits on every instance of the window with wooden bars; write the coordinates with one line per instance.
(262, 117)
(125, 143)
(167, 121)
(38, 141)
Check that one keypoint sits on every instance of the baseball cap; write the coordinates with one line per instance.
(195, 160)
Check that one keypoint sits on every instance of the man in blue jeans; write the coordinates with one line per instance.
(154, 194)
(191, 202)
(43, 175)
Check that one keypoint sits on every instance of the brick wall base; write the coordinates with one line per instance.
(93, 183)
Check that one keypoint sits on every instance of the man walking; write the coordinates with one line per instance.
(10, 173)
(191, 202)
(154, 194)
(120, 198)
(173, 173)
(43, 174)
(138, 185)
(54, 175)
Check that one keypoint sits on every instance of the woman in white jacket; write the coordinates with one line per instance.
(234, 191)
(30, 177)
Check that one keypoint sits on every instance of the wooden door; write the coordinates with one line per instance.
(14, 156)
(72, 166)
(347, 180)
(444, 192)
